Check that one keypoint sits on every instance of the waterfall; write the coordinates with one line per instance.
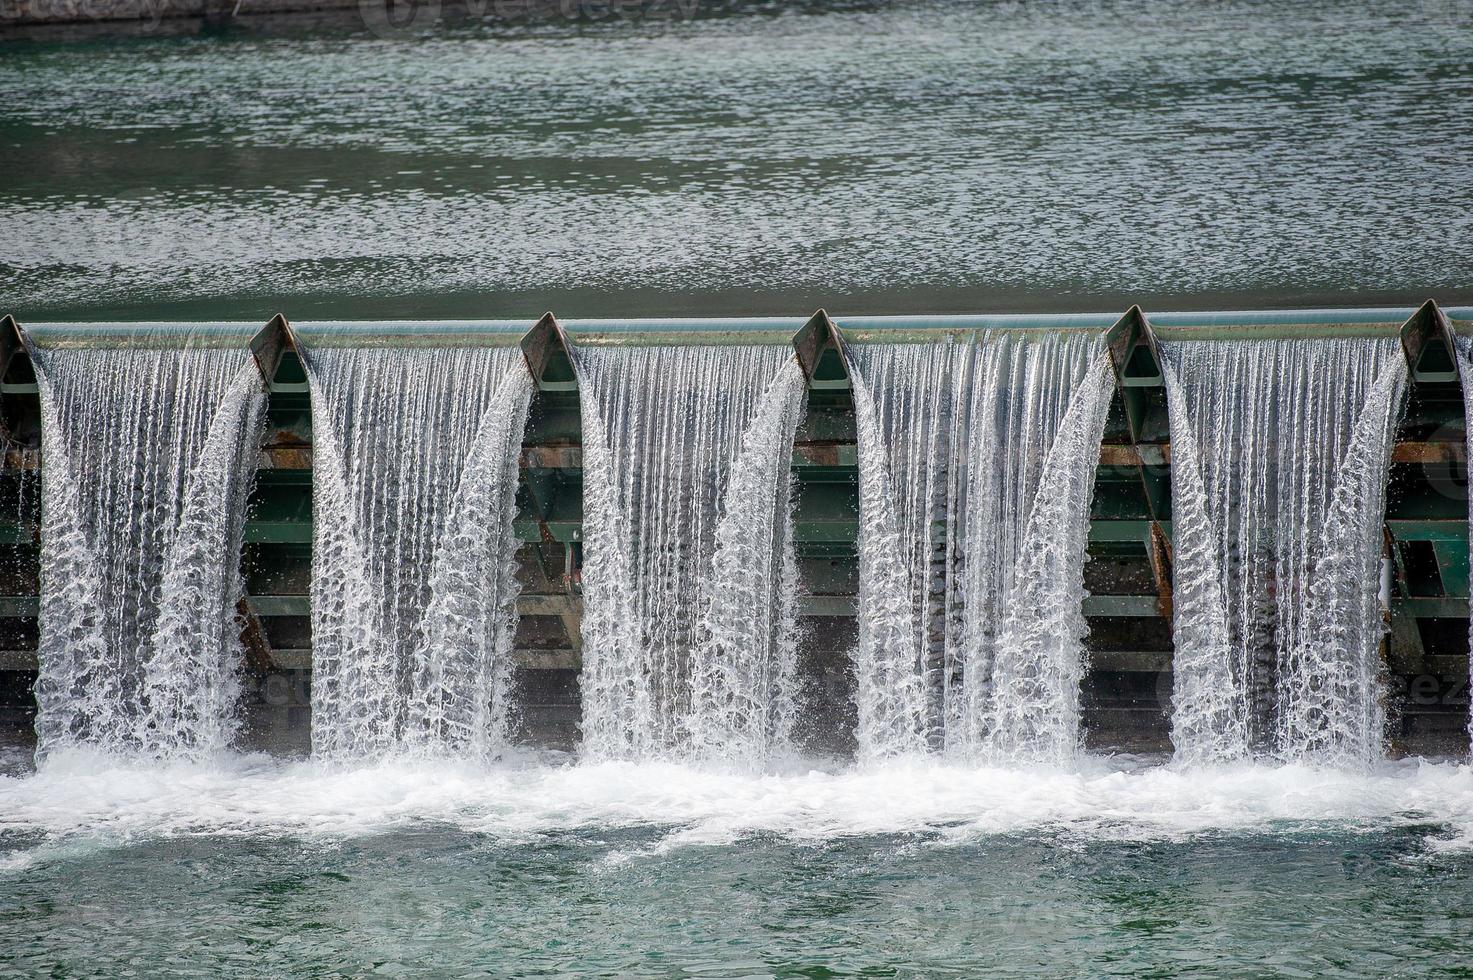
(413, 572)
(895, 548)
(149, 458)
(1039, 659)
(977, 467)
(685, 455)
(1280, 452)
(1210, 710)
(744, 665)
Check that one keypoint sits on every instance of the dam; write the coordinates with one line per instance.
(995, 539)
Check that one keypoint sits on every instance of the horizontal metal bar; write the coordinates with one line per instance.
(1128, 606)
(693, 331)
(19, 607)
(300, 658)
(161, 335)
(298, 456)
(1135, 606)
(410, 333)
(1174, 325)
(1252, 324)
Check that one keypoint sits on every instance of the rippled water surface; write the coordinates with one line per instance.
(248, 866)
(762, 158)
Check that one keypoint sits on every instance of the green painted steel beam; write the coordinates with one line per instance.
(1124, 606)
(19, 607)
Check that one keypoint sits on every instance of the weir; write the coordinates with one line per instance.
(413, 577)
(150, 450)
(753, 486)
(970, 636)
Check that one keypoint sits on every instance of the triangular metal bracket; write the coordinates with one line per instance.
(820, 348)
(15, 343)
(1428, 343)
(11, 341)
(549, 355)
(269, 344)
(1133, 351)
(1136, 359)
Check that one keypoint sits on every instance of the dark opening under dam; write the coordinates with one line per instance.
(734, 539)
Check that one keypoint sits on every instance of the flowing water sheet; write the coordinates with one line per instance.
(977, 466)
(149, 456)
(413, 578)
(744, 687)
(688, 634)
(1280, 451)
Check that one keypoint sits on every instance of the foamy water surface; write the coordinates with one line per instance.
(254, 866)
(79, 796)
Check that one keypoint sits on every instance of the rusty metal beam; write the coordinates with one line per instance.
(1427, 341)
(548, 353)
(820, 348)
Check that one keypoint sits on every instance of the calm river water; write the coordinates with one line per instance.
(762, 158)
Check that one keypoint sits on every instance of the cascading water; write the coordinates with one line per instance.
(688, 635)
(977, 467)
(1039, 659)
(744, 704)
(1280, 450)
(149, 458)
(413, 578)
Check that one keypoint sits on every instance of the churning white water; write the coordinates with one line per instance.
(415, 463)
(977, 466)
(688, 632)
(83, 803)
(1280, 450)
(150, 455)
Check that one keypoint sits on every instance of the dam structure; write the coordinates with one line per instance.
(995, 539)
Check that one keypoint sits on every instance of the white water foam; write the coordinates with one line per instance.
(86, 798)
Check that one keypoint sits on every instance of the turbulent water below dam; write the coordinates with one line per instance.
(245, 866)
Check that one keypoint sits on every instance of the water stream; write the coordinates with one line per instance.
(150, 455)
(413, 586)
(977, 466)
(687, 634)
(1280, 457)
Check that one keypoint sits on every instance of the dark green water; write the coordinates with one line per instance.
(874, 157)
(248, 866)
(428, 900)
